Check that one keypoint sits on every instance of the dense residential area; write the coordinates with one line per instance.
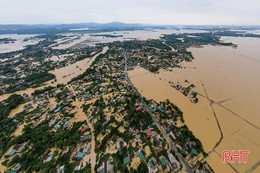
(98, 122)
(34, 65)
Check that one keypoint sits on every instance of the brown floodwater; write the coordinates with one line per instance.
(63, 75)
(90, 39)
(230, 77)
(19, 42)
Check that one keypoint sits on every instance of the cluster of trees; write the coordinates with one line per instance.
(157, 44)
(41, 139)
(7, 125)
(114, 131)
(154, 69)
(34, 79)
(90, 70)
(7, 40)
(137, 116)
(236, 34)
(6, 69)
(41, 91)
(87, 55)
(177, 109)
(185, 134)
(38, 78)
(107, 35)
(195, 39)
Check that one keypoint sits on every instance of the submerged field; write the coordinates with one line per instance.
(227, 76)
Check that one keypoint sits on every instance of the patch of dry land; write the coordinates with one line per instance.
(227, 76)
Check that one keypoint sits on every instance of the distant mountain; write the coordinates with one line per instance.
(59, 28)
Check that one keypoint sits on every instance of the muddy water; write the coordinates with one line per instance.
(229, 76)
(71, 42)
(63, 75)
(27, 91)
(83, 65)
(20, 108)
(90, 39)
(19, 44)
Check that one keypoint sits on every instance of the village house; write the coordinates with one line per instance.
(127, 158)
(66, 124)
(178, 87)
(141, 153)
(138, 138)
(79, 155)
(64, 153)
(164, 164)
(93, 113)
(183, 151)
(173, 164)
(17, 149)
(193, 94)
(60, 169)
(113, 140)
(152, 165)
(159, 141)
(192, 146)
(78, 165)
(85, 138)
(58, 125)
(17, 168)
(42, 105)
(87, 149)
(173, 134)
(132, 129)
(85, 128)
(151, 132)
(48, 157)
(106, 167)
(121, 144)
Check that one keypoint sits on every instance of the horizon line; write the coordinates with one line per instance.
(131, 24)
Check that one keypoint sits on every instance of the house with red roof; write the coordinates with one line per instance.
(138, 108)
(149, 132)
(99, 145)
(183, 89)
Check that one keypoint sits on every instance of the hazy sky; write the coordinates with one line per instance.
(131, 11)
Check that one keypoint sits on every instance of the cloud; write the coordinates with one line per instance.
(141, 11)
